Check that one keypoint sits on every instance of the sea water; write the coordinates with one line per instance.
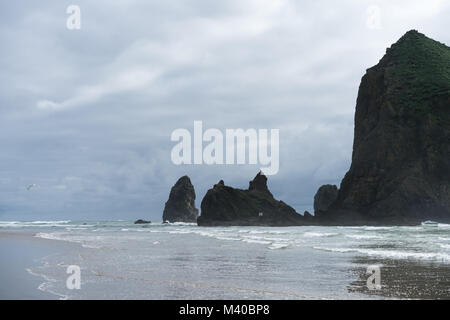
(121, 260)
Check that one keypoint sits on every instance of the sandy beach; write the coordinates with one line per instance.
(20, 251)
(121, 260)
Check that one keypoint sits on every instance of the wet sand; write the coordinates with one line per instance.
(400, 279)
(404, 279)
(18, 252)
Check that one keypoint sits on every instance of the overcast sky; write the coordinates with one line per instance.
(87, 114)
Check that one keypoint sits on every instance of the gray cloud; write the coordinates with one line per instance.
(88, 114)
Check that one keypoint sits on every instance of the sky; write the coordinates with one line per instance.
(87, 114)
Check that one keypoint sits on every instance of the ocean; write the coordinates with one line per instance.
(121, 260)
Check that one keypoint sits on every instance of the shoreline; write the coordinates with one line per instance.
(20, 251)
(135, 264)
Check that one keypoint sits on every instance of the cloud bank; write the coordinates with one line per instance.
(88, 114)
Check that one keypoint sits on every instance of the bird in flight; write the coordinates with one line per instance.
(31, 186)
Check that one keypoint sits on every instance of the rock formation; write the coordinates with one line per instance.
(400, 170)
(324, 197)
(225, 206)
(307, 216)
(140, 221)
(181, 204)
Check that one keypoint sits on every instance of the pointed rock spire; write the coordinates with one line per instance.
(181, 204)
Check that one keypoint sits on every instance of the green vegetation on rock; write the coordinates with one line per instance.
(418, 72)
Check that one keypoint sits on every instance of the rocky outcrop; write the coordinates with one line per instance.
(400, 170)
(324, 197)
(181, 204)
(140, 221)
(226, 206)
(307, 216)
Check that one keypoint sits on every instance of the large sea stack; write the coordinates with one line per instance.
(181, 204)
(227, 206)
(400, 170)
(325, 197)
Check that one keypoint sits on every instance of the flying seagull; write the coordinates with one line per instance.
(31, 186)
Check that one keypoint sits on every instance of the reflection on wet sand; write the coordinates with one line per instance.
(404, 279)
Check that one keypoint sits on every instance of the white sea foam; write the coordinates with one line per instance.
(429, 223)
(248, 240)
(180, 224)
(277, 232)
(339, 239)
(348, 227)
(50, 222)
(320, 234)
(257, 231)
(10, 224)
(90, 246)
(47, 284)
(176, 231)
(266, 232)
(49, 236)
(227, 238)
(59, 237)
(276, 246)
(362, 236)
(378, 228)
(24, 224)
(393, 254)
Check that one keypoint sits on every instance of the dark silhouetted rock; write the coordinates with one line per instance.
(400, 170)
(227, 206)
(324, 197)
(259, 183)
(181, 204)
(140, 221)
(307, 215)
